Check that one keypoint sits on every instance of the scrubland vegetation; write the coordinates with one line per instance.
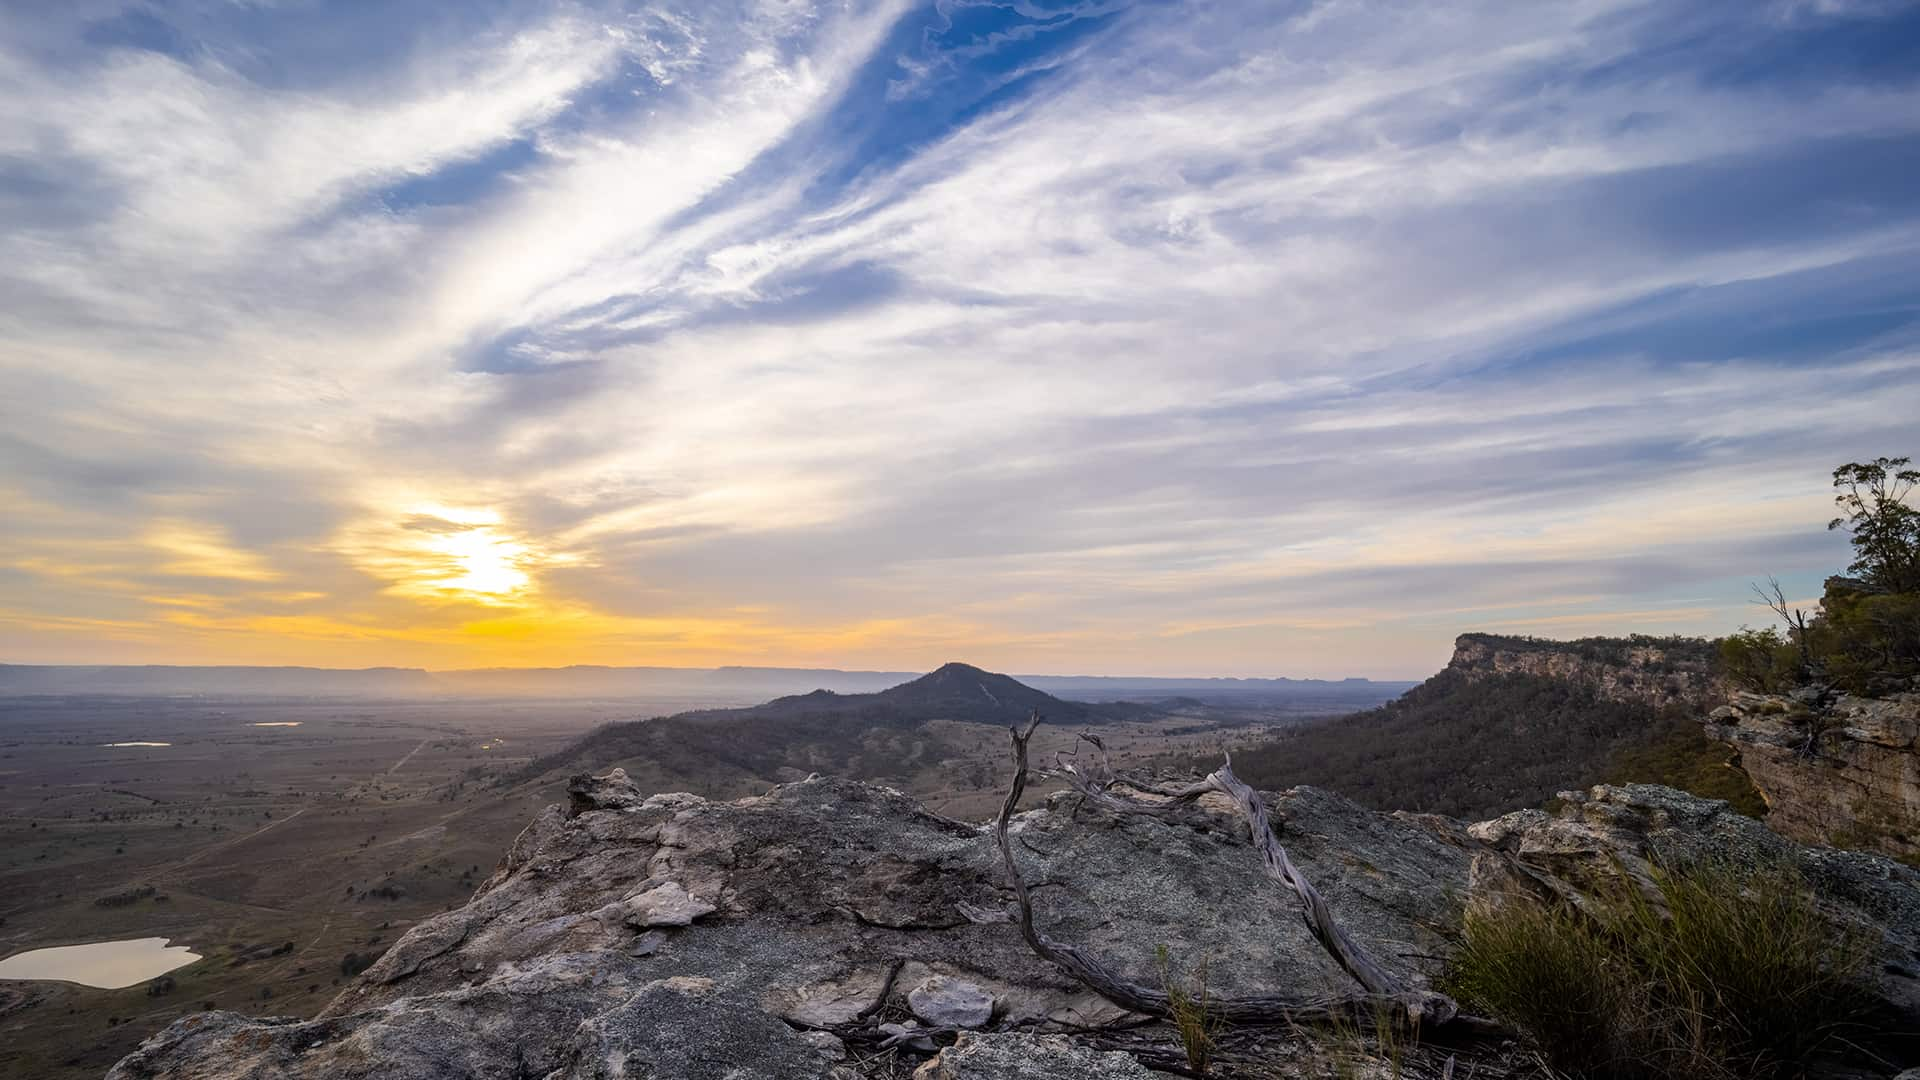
(1721, 972)
(1476, 746)
(1865, 636)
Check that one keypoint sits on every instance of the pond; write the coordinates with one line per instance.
(277, 723)
(109, 965)
(136, 744)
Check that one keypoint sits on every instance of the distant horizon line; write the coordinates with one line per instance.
(909, 673)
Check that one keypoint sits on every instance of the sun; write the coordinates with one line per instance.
(437, 553)
(485, 562)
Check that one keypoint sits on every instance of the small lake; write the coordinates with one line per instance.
(109, 965)
(136, 744)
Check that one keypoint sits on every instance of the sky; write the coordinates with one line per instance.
(1077, 336)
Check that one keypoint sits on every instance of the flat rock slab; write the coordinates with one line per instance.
(1029, 1057)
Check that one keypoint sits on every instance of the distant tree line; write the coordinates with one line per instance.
(1678, 653)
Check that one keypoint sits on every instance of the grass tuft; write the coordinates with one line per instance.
(1192, 1021)
(1727, 973)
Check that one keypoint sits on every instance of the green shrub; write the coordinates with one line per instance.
(1679, 755)
(1868, 642)
(1729, 974)
(1760, 660)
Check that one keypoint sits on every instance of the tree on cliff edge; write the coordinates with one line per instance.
(1886, 531)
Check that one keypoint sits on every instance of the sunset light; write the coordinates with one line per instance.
(525, 526)
(1099, 337)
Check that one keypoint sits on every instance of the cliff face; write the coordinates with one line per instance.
(829, 925)
(1657, 672)
(1846, 774)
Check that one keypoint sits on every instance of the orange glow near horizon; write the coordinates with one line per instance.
(460, 582)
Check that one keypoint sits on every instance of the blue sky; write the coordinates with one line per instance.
(1183, 338)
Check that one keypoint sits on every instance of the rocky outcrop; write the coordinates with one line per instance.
(800, 907)
(1844, 772)
(1608, 833)
(1657, 672)
(669, 936)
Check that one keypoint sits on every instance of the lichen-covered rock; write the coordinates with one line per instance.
(1845, 773)
(1609, 832)
(819, 890)
(1028, 1057)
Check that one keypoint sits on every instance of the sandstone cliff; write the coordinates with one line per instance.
(1652, 671)
(836, 929)
(1844, 772)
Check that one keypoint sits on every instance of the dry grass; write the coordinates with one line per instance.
(1197, 1028)
(1726, 973)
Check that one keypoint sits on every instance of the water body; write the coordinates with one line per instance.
(109, 965)
(277, 723)
(136, 744)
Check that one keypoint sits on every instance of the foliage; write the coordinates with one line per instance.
(1886, 531)
(1866, 637)
(1188, 1010)
(1683, 757)
(1725, 973)
(1867, 642)
(1473, 747)
(1682, 653)
(1760, 660)
(1863, 641)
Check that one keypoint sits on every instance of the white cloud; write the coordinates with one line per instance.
(1197, 322)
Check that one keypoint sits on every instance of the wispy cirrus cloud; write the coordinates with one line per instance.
(1098, 335)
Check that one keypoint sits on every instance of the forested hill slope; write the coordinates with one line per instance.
(1510, 722)
(882, 736)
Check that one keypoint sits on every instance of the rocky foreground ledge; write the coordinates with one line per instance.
(669, 936)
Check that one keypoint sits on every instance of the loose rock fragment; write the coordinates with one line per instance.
(943, 1001)
(666, 905)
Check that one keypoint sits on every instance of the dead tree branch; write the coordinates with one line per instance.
(1774, 597)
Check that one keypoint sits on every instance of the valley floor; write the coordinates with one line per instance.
(286, 840)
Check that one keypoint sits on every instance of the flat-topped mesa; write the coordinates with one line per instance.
(1844, 772)
(629, 934)
(1654, 671)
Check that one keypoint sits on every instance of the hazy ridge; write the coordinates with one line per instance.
(755, 683)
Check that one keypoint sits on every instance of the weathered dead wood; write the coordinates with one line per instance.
(1093, 778)
(1095, 781)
